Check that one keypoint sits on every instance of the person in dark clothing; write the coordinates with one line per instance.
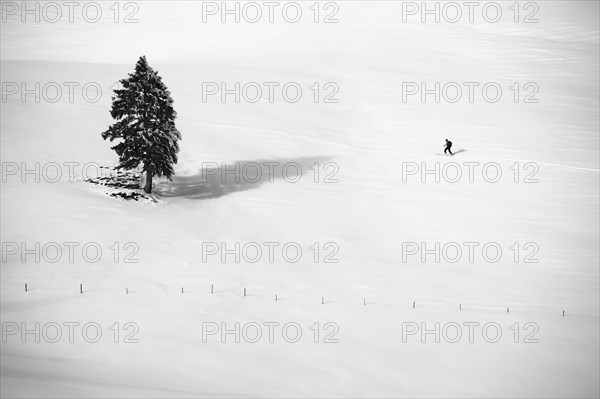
(448, 146)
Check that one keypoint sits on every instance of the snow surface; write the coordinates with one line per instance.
(369, 213)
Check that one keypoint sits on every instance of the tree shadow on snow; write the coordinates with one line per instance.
(218, 179)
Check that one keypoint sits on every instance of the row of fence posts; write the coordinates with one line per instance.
(212, 290)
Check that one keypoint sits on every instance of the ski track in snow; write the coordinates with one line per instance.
(483, 158)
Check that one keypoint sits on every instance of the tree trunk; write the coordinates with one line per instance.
(148, 187)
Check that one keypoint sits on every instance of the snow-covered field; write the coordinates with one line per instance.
(366, 204)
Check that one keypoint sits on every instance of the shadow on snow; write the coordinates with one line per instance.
(216, 180)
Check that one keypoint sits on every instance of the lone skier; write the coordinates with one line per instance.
(448, 146)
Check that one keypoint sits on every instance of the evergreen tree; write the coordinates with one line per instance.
(145, 120)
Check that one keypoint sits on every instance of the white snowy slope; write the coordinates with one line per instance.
(367, 214)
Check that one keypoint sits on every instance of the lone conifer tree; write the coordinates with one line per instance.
(145, 120)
